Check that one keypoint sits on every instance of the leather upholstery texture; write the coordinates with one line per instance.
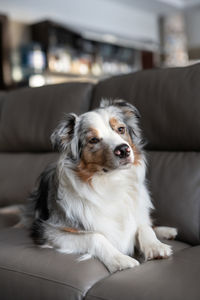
(168, 101)
(9, 219)
(37, 273)
(2, 94)
(18, 174)
(30, 272)
(175, 278)
(29, 116)
(174, 183)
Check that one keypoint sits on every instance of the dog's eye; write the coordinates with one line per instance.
(94, 140)
(121, 130)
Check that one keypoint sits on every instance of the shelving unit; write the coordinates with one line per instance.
(51, 53)
(5, 75)
(68, 55)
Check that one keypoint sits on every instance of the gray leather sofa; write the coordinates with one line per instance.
(169, 103)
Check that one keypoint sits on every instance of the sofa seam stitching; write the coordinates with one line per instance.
(102, 280)
(97, 297)
(40, 277)
(95, 284)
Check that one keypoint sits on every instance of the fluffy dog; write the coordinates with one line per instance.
(94, 201)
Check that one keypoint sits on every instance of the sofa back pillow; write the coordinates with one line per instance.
(167, 99)
(28, 116)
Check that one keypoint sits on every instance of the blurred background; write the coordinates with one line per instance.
(48, 42)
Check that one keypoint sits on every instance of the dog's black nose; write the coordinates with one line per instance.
(122, 151)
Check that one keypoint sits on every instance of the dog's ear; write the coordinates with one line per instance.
(105, 103)
(64, 132)
(127, 108)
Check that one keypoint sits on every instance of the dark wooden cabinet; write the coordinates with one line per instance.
(5, 70)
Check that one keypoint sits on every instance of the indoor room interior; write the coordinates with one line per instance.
(42, 42)
(99, 150)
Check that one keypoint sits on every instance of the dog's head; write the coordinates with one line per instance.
(102, 140)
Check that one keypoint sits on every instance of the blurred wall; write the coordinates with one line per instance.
(96, 15)
(192, 19)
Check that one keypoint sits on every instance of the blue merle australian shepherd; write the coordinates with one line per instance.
(94, 200)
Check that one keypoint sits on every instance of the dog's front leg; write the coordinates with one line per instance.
(96, 245)
(150, 245)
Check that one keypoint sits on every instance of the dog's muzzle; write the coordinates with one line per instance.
(122, 151)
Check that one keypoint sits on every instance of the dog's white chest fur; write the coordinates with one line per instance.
(116, 222)
(113, 205)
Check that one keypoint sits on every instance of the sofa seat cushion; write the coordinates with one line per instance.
(9, 217)
(175, 278)
(30, 272)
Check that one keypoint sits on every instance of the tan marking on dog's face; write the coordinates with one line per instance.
(137, 155)
(115, 124)
(86, 170)
(93, 162)
(136, 152)
(94, 157)
(92, 132)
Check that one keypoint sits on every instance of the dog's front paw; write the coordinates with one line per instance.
(170, 233)
(120, 262)
(157, 250)
(164, 232)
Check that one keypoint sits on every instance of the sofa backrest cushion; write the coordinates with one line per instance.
(28, 116)
(174, 182)
(27, 119)
(168, 100)
(2, 94)
(18, 174)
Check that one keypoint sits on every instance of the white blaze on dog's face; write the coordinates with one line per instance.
(102, 140)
